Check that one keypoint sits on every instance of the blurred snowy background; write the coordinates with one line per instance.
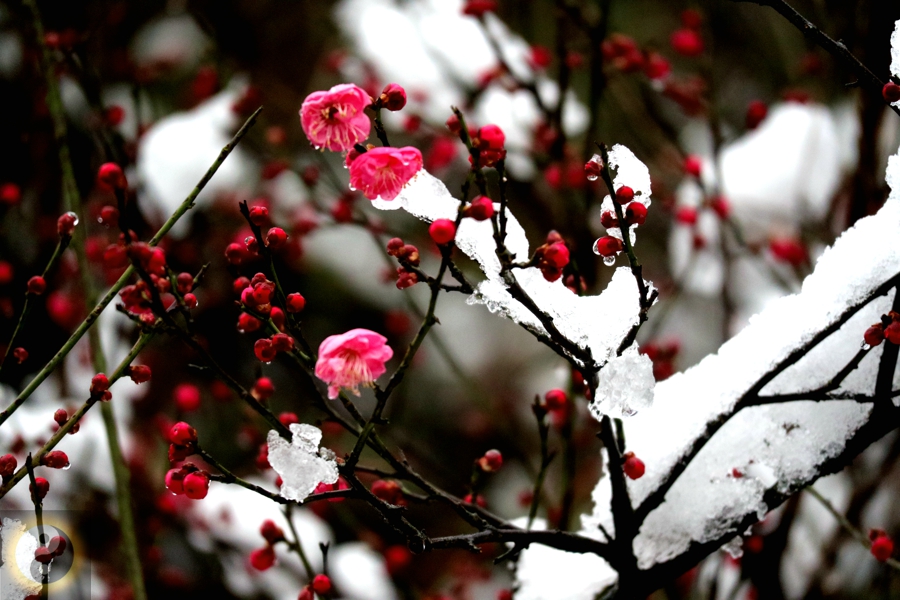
(161, 86)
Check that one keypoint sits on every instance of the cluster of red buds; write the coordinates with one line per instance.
(887, 329)
(60, 417)
(489, 141)
(662, 355)
(100, 387)
(54, 548)
(634, 213)
(408, 256)
(258, 294)
(388, 490)
(552, 256)
(687, 41)
(138, 373)
(264, 558)
(266, 349)
(189, 480)
(321, 585)
(182, 442)
(882, 546)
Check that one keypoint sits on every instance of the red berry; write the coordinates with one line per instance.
(196, 485)
(37, 285)
(234, 253)
(66, 223)
(393, 97)
(295, 303)
(720, 206)
(43, 486)
(892, 333)
(20, 354)
(8, 465)
(175, 481)
(264, 350)
(874, 335)
(263, 388)
(282, 342)
(111, 177)
(477, 8)
(491, 137)
(789, 250)
(99, 383)
(635, 213)
(756, 112)
(608, 246)
(139, 373)
(288, 418)
(693, 165)
(276, 238)
(442, 231)
(387, 490)
(271, 532)
(882, 548)
(55, 460)
(452, 124)
(555, 399)
(182, 434)
(891, 92)
(491, 461)
(687, 42)
(259, 215)
(321, 584)
(10, 194)
(686, 215)
(109, 216)
(187, 397)
(624, 195)
(633, 466)
(481, 208)
(557, 255)
(262, 558)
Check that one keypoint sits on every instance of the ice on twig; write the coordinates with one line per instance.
(625, 386)
(301, 464)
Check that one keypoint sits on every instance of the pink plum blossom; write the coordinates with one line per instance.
(352, 359)
(384, 171)
(336, 119)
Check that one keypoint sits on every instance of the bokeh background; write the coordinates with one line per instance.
(159, 87)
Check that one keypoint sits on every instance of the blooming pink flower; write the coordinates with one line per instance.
(384, 171)
(352, 359)
(336, 119)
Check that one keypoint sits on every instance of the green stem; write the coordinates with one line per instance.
(39, 517)
(296, 546)
(26, 309)
(186, 205)
(76, 417)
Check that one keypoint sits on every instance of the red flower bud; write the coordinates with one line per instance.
(387, 490)
(60, 416)
(693, 165)
(175, 481)
(393, 97)
(608, 246)
(756, 112)
(874, 335)
(20, 354)
(111, 177)
(321, 584)
(263, 388)
(442, 231)
(262, 558)
(66, 223)
(99, 384)
(891, 92)
(295, 303)
(43, 486)
(55, 460)
(557, 254)
(264, 350)
(633, 466)
(686, 215)
(259, 215)
(687, 42)
(271, 532)
(8, 465)
(37, 285)
(276, 238)
(624, 195)
(196, 485)
(481, 208)
(635, 213)
(235, 253)
(182, 434)
(491, 461)
(882, 548)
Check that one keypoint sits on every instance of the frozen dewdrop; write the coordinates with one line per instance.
(625, 386)
(301, 464)
(734, 547)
